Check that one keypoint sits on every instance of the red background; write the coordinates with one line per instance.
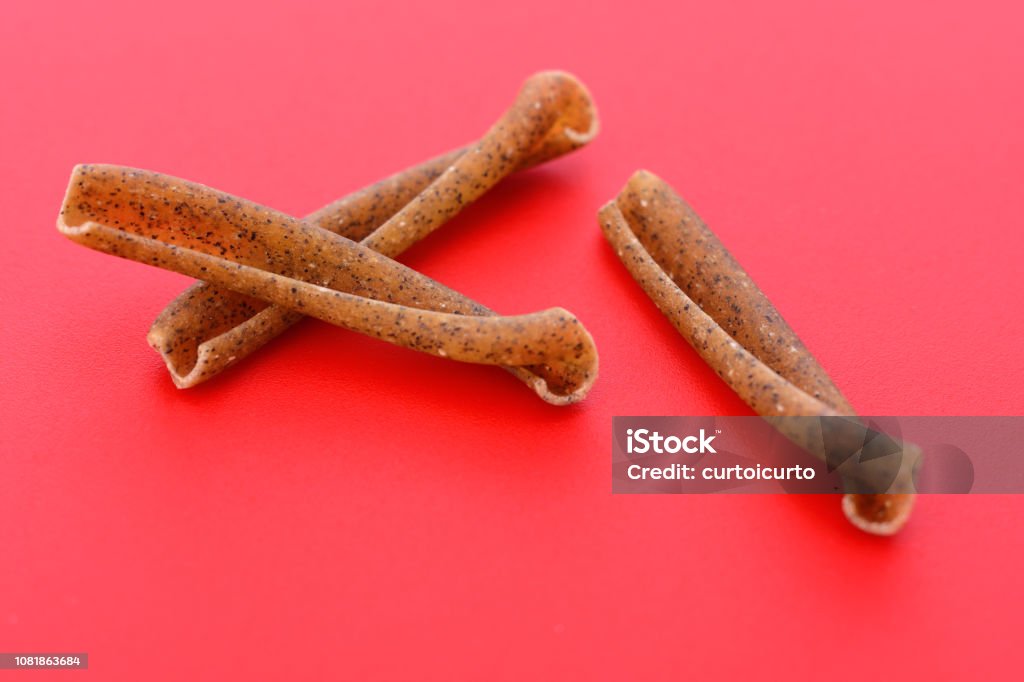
(340, 507)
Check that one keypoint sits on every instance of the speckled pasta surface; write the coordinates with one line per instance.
(267, 256)
(208, 328)
(720, 311)
(552, 115)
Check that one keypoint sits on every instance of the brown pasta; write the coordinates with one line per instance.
(208, 328)
(719, 310)
(268, 256)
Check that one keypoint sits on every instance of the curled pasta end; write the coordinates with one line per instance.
(580, 123)
(71, 221)
(184, 374)
(878, 514)
(575, 121)
(567, 382)
(553, 397)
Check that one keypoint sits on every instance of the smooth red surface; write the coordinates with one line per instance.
(340, 508)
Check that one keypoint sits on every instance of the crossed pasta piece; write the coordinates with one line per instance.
(262, 271)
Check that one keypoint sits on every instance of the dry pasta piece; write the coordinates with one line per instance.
(268, 256)
(208, 328)
(720, 311)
